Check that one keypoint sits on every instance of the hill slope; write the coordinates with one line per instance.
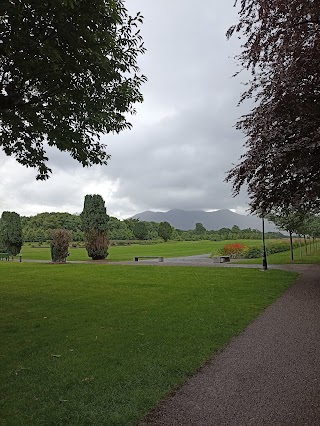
(185, 219)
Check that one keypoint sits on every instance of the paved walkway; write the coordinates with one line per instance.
(197, 260)
(267, 376)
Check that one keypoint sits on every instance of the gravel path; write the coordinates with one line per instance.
(268, 375)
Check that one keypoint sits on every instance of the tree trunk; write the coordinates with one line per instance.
(305, 244)
(291, 245)
(300, 247)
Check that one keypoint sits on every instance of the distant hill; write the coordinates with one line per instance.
(185, 219)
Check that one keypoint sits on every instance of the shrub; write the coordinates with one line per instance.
(59, 245)
(235, 250)
(254, 252)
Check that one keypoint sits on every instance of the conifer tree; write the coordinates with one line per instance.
(11, 232)
(94, 222)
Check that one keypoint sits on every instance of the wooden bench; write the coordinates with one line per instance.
(221, 259)
(4, 256)
(136, 258)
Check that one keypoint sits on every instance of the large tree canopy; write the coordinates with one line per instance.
(68, 73)
(281, 49)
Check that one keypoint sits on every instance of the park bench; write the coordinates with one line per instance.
(136, 258)
(221, 259)
(4, 256)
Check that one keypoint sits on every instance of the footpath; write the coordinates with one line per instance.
(269, 375)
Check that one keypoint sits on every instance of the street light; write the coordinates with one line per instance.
(264, 259)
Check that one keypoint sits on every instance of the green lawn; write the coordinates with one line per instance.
(102, 344)
(117, 253)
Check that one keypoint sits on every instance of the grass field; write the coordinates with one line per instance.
(102, 344)
(118, 253)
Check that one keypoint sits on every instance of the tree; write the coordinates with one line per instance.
(60, 245)
(140, 230)
(200, 229)
(165, 231)
(94, 222)
(118, 230)
(281, 165)
(288, 220)
(11, 233)
(68, 73)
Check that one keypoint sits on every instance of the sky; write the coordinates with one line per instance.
(183, 139)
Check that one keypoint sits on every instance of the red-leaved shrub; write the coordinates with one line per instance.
(233, 250)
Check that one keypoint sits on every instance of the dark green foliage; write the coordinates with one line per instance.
(140, 230)
(165, 230)
(256, 251)
(39, 228)
(200, 229)
(68, 73)
(94, 223)
(60, 245)
(118, 230)
(10, 233)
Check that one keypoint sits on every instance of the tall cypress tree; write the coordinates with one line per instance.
(94, 222)
(11, 232)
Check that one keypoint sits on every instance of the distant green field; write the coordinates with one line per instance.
(102, 344)
(118, 253)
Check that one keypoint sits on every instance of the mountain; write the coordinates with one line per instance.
(186, 219)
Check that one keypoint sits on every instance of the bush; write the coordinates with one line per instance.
(235, 251)
(257, 251)
(60, 245)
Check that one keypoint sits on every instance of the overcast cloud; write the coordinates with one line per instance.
(183, 140)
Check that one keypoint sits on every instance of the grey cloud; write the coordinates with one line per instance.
(183, 140)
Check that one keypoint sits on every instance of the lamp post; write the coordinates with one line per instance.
(264, 259)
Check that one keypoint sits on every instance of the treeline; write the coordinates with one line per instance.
(39, 229)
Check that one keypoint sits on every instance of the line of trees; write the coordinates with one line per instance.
(39, 229)
(296, 222)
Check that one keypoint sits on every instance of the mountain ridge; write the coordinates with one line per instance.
(213, 220)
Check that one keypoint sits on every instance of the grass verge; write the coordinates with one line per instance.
(102, 344)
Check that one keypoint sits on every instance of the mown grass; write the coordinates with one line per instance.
(118, 253)
(102, 344)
